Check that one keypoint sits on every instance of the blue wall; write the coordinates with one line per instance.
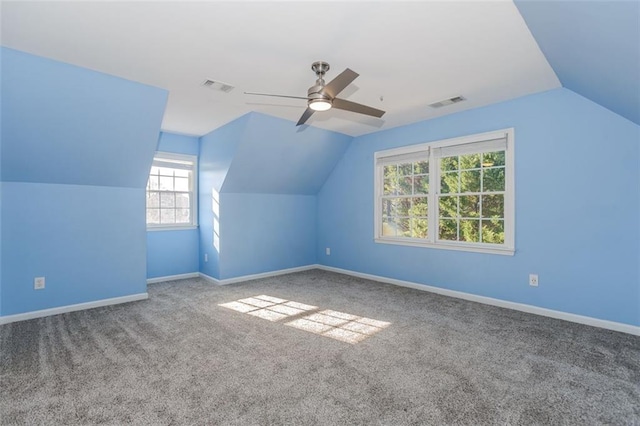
(75, 156)
(88, 241)
(78, 127)
(76, 153)
(258, 180)
(577, 204)
(179, 144)
(1, 85)
(217, 150)
(266, 232)
(593, 46)
(173, 252)
(276, 157)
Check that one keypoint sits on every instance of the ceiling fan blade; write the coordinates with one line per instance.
(305, 116)
(343, 79)
(277, 96)
(359, 108)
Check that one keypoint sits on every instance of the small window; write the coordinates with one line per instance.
(454, 194)
(171, 191)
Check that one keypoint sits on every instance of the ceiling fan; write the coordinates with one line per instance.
(322, 97)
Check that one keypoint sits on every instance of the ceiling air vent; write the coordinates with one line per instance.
(446, 102)
(217, 85)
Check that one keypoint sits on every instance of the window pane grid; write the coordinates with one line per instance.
(471, 203)
(478, 205)
(404, 207)
(405, 226)
(170, 192)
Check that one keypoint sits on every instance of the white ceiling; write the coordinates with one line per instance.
(408, 54)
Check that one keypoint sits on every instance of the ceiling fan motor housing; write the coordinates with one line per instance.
(320, 68)
(322, 97)
(316, 92)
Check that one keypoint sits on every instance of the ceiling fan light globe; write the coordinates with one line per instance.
(319, 104)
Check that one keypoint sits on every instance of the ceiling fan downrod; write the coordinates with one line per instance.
(320, 68)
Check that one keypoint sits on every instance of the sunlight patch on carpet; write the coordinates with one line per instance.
(336, 325)
(269, 308)
(340, 326)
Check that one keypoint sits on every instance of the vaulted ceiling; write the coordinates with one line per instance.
(63, 132)
(408, 54)
(594, 48)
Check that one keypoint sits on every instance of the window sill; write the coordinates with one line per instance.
(171, 228)
(444, 246)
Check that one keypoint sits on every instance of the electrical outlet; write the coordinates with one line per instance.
(38, 283)
(327, 251)
(533, 280)
(206, 257)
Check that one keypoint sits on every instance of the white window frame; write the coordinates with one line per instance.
(193, 191)
(430, 150)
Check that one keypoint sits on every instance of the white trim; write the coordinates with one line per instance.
(234, 280)
(193, 191)
(175, 132)
(580, 319)
(446, 246)
(209, 278)
(192, 158)
(460, 140)
(173, 277)
(71, 308)
(433, 149)
(155, 228)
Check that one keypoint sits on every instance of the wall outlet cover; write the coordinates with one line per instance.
(38, 283)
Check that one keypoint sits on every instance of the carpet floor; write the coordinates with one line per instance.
(313, 348)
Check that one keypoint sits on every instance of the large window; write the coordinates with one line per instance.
(453, 194)
(171, 191)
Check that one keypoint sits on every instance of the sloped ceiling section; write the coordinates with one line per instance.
(70, 125)
(594, 48)
(217, 151)
(276, 157)
(181, 144)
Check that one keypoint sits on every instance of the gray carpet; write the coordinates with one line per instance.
(180, 358)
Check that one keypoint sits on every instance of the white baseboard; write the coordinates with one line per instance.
(595, 322)
(173, 277)
(580, 319)
(258, 276)
(210, 279)
(71, 308)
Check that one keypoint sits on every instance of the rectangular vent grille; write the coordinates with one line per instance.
(446, 102)
(217, 85)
